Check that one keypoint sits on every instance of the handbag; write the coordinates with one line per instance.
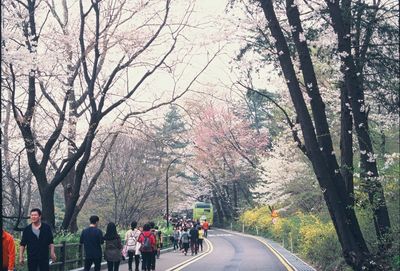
(137, 249)
(124, 252)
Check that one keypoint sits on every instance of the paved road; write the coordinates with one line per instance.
(171, 259)
(224, 252)
(232, 252)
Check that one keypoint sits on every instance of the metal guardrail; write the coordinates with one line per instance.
(69, 256)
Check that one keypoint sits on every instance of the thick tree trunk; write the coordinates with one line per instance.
(346, 122)
(326, 169)
(80, 170)
(47, 200)
(369, 170)
(227, 202)
(69, 180)
(68, 184)
(346, 143)
(217, 207)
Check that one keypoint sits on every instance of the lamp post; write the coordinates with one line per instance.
(166, 190)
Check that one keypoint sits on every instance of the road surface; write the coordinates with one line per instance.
(233, 252)
(224, 251)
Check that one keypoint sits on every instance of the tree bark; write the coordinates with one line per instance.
(235, 199)
(369, 171)
(47, 199)
(346, 143)
(80, 169)
(324, 163)
(69, 180)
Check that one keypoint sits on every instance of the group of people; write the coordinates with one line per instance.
(182, 238)
(37, 238)
(140, 243)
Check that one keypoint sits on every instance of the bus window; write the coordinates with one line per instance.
(202, 205)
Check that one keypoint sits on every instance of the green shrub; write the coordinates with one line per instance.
(320, 245)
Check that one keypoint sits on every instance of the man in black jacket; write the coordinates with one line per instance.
(38, 239)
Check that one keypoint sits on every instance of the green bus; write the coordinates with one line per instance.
(203, 211)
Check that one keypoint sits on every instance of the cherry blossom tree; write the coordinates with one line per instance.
(284, 39)
(226, 155)
(70, 66)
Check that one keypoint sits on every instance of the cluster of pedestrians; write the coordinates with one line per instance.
(182, 238)
(142, 244)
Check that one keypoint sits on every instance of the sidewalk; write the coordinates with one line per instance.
(168, 259)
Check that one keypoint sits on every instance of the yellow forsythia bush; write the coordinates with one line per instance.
(307, 234)
(320, 245)
(249, 218)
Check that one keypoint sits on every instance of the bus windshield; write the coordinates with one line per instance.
(202, 205)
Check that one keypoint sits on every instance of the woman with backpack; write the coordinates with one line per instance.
(112, 251)
(175, 238)
(185, 240)
(131, 243)
(148, 246)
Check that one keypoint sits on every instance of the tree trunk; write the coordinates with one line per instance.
(346, 143)
(235, 200)
(369, 170)
(47, 200)
(67, 184)
(354, 248)
(80, 169)
(69, 180)
(346, 122)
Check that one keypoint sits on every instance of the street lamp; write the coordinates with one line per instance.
(166, 190)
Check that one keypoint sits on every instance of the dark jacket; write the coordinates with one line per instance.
(194, 235)
(92, 238)
(112, 250)
(38, 248)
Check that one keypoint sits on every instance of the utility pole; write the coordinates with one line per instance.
(166, 190)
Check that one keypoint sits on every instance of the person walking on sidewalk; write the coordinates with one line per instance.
(185, 240)
(112, 251)
(148, 245)
(175, 237)
(38, 239)
(194, 236)
(8, 247)
(200, 240)
(159, 241)
(205, 228)
(131, 241)
(92, 239)
(153, 230)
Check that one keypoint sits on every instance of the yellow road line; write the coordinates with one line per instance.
(179, 266)
(280, 257)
